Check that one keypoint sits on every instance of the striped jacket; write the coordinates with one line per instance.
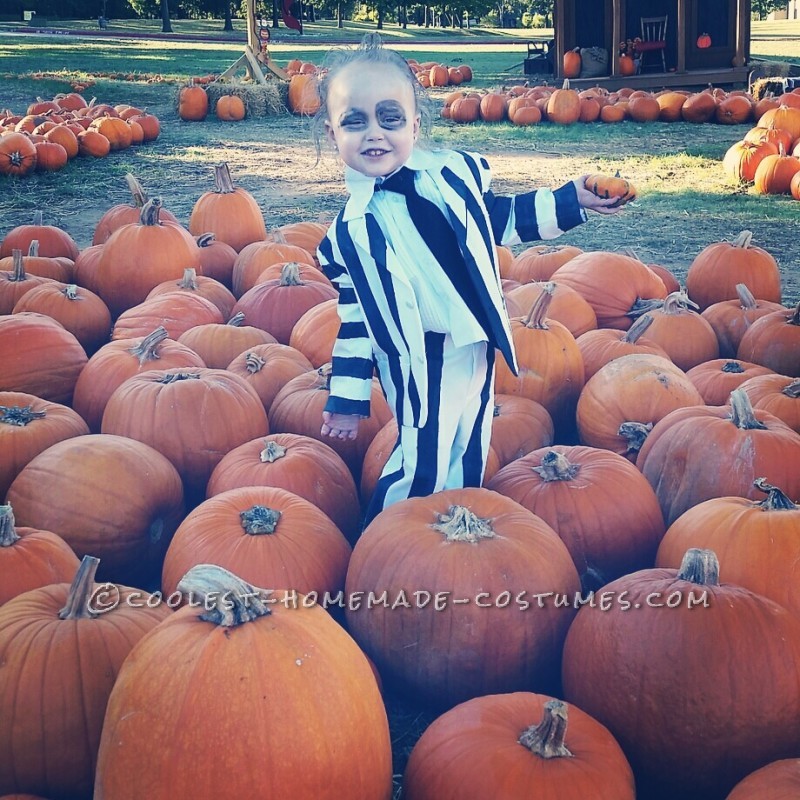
(380, 321)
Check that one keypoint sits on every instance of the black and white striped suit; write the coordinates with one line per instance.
(381, 324)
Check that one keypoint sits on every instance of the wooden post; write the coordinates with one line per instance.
(740, 59)
(681, 23)
(616, 36)
(559, 11)
(252, 28)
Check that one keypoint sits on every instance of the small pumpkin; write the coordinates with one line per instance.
(192, 103)
(778, 394)
(17, 154)
(230, 108)
(774, 341)
(607, 186)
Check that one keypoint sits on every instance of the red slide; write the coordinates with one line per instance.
(288, 20)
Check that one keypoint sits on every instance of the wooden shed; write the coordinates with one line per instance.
(688, 57)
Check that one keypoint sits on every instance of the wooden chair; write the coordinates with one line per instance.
(654, 39)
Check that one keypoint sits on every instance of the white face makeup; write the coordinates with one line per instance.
(372, 118)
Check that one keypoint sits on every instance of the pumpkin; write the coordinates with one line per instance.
(685, 336)
(590, 109)
(80, 311)
(779, 780)
(689, 455)
(564, 753)
(149, 123)
(734, 110)
(117, 361)
(493, 107)
(731, 318)
(627, 66)
(794, 185)
(525, 115)
(572, 63)
(298, 406)
(216, 258)
(718, 268)
(268, 368)
(15, 282)
(255, 258)
(38, 356)
(229, 212)
(218, 345)
(305, 273)
(785, 117)
(519, 426)
(774, 174)
(53, 241)
(61, 657)
(125, 214)
(466, 109)
(162, 409)
(703, 41)
(306, 235)
(684, 692)
(192, 103)
(17, 154)
(230, 108)
(139, 256)
(261, 640)
(275, 306)
(58, 268)
(199, 286)
(773, 135)
(479, 545)
(298, 464)
(623, 400)
(777, 394)
(550, 363)
(644, 108)
(50, 156)
(602, 345)
(86, 263)
(564, 105)
(755, 541)
(93, 143)
(743, 158)
(774, 341)
(619, 288)
(607, 186)
(699, 107)
(716, 379)
(303, 95)
(117, 131)
(671, 105)
(538, 263)
(566, 307)
(597, 502)
(613, 113)
(177, 312)
(107, 495)
(30, 558)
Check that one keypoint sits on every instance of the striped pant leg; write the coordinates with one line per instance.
(450, 449)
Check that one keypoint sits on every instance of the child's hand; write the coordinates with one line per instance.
(339, 426)
(591, 201)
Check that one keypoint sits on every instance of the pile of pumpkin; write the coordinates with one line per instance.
(769, 155)
(432, 74)
(51, 132)
(185, 453)
(524, 105)
(193, 105)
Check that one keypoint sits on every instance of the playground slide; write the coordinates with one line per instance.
(286, 15)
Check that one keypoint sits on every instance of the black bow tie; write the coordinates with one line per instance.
(401, 182)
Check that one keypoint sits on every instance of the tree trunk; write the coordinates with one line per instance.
(339, 15)
(379, 26)
(228, 21)
(275, 23)
(427, 24)
(166, 26)
(405, 16)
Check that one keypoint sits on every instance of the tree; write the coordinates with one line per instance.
(166, 26)
(764, 7)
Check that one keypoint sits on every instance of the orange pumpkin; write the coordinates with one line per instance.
(774, 174)
(314, 334)
(779, 780)
(17, 154)
(774, 341)
(303, 94)
(192, 103)
(607, 186)
(218, 344)
(572, 63)
(53, 241)
(716, 379)
(743, 158)
(778, 394)
(230, 108)
(564, 105)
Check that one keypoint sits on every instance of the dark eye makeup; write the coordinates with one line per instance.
(389, 113)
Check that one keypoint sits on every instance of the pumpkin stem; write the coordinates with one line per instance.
(189, 280)
(556, 466)
(174, 377)
(236, 320)
(20, 416)
(743, 240)
(634, 433)
(733, 367)
(325, 372)
(137, 191)
(38, 218)
(259, 519)
(795, 318)
(642, 306)
(290, 275)
(792, 390)
(546, 739)
(18, 270)
(565, 85)
(8, 534)
(678, 303)
(71, 292)
(150, 211)
(742, 414)
(700, 566)
(775, 500)
(205, 239)
(272, 452)
(33, 249)
(745, 297)
(636, 331)
(459, 524)
(81, 591)
(223, 183)
(229, 600)
(631, 253)
(147, 349)
(538, 312)
(254, 363)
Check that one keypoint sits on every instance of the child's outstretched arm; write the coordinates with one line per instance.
(591, 201)
(339, 426)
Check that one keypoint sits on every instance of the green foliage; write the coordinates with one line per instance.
(764, 7)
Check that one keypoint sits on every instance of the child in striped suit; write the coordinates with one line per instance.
(413, 256)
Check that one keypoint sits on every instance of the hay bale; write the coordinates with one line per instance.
(767, 87)
(259, 100)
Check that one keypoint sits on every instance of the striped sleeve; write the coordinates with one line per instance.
(351, 365)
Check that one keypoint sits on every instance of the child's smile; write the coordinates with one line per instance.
(372, 119)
